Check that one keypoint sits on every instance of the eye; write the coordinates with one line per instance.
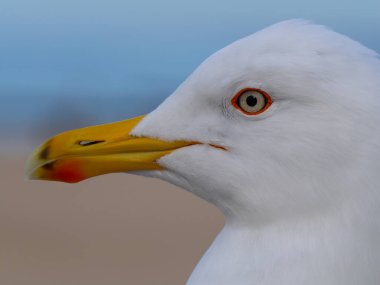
(251, 101)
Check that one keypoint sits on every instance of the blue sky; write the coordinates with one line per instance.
(82, 62)
(117, 47)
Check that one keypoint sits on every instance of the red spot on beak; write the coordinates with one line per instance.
(68, 171)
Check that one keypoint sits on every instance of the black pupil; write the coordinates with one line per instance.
(251, 101)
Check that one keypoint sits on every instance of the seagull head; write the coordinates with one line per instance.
(277, 124)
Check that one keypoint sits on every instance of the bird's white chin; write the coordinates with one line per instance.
(182, 167)
(166, 175)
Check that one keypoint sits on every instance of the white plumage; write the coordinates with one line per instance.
(299, 184)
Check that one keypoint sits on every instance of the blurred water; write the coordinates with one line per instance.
(67, 64)
(28, 120)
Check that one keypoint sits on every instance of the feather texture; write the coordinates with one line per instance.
(299, 184)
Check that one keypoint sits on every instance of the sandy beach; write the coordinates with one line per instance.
(114, 229)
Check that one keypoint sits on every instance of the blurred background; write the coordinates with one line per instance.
(69, 64)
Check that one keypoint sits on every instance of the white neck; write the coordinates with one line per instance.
(333, 248)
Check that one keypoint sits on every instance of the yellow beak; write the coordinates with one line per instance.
(80, 154)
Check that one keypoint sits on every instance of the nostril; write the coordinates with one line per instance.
(89, 142)
(44, 153)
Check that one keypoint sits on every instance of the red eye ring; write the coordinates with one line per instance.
(237, 105)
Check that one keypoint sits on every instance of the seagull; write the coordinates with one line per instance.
(281, 131)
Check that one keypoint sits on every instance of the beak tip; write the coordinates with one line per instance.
(29, 173)
(29, 177)
(31, 166)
